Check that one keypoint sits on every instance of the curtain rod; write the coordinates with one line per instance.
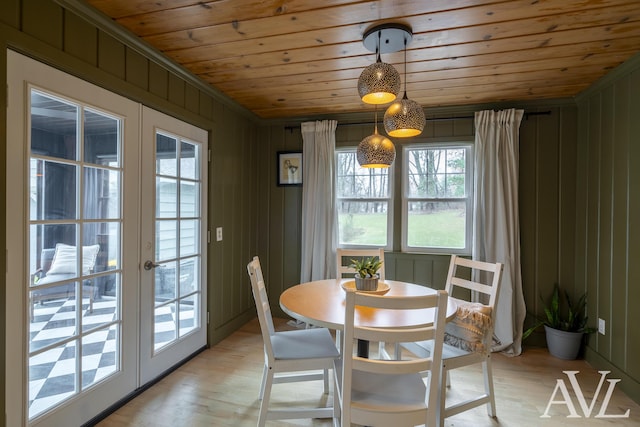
(433, 119)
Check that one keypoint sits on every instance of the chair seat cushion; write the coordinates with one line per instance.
(469, 329)
(386, 392)
(304, 344)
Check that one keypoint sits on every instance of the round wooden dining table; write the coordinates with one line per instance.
(322, 303)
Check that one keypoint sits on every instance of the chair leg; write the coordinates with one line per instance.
(443, 380)
(336, 403)
(488, 386)
(263, 382)
(325, 380)
(265, 395)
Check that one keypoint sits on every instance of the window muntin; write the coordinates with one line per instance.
(437, 201)
(363, 203)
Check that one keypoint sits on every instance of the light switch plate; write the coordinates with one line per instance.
(601, 326)
(219, 234)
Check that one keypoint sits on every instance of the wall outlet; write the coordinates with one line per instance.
(219, 234)
(601, 326)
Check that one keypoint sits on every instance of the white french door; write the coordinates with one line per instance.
(92, 201)
(174, 236)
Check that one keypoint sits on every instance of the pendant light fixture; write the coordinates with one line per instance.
(379, 83)
(376, 151)
(404, 118)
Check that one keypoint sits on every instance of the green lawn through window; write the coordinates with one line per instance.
(444, 228)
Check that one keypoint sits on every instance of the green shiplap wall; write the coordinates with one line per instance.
(608, 220)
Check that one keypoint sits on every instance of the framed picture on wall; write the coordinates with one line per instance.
(289, 168)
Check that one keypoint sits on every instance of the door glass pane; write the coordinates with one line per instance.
(188, 313)
(54, 126)
(74, 249)
(188, 164)
(99, 355)
(188, 276)
(101, 199)
(54, 315)
(164, 325)
(166, 155)
(165, 278)
(166, 197)
(101, 136)
(52, 377)
(52, 190)
(177, 282)
(189, 197)
(166, 235)
(189, 232)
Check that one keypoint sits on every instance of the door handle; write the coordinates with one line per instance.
(148, 265)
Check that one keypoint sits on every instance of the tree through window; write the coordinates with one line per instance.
(437, 202)
(362, 202)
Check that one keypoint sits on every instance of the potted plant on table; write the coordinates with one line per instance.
(564, 331)
(366, 273)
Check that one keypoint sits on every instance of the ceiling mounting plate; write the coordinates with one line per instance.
(392, 37)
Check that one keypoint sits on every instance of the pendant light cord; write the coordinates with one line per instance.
(375, 118)
(405, 68)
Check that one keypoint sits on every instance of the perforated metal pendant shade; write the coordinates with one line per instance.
(404, 118)
(376, 151)
(379, 83)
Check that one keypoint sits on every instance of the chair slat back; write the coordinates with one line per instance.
(261, 299)
(344, 257)
(478, 269)
(435, 331)
(488, 272)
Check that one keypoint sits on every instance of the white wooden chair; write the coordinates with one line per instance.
(287, 354)
(344, 257)
(382, 392)
(468, 337)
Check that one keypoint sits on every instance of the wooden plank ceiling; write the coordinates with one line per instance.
(292, 58)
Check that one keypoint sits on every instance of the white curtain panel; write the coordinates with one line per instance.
(318, 200)
(496, 219)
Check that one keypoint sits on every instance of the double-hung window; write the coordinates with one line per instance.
(363, 201)
(437, 198)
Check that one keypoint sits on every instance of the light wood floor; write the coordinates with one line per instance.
(219, 387)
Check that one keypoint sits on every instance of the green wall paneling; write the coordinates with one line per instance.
(192, 98)
(605, 216)
(43, 19)
(632, 337)
(158, 80)
(567, 197)
(10, 12)
(619, 143)
(80, 38)
(176, 93)
(111, 55)
(137, 69)
(608, 215)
